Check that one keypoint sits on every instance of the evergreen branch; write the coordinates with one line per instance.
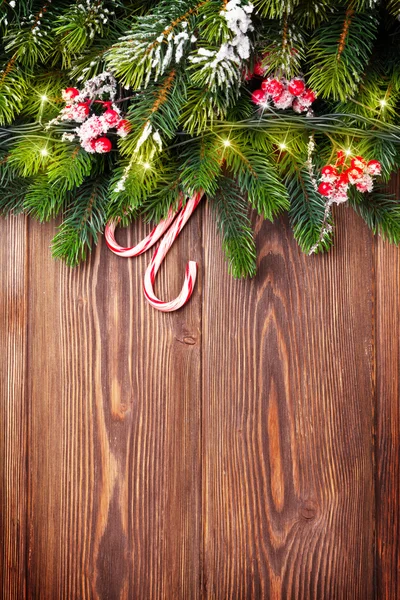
(42, 200)
(380, 211)
(339, 52)
(69, 167)
(231, 212)
(83, 222)
(307, 212)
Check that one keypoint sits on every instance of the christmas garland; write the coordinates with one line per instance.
(111, 111)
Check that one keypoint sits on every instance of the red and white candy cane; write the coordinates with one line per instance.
(145, 244)
(159, 255)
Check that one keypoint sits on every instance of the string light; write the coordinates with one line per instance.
(44, 152)
(226, 143)
(347, 151)
(146, 165)
(282, 146)
(44, 98)
(383, 102)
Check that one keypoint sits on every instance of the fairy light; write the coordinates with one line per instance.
(44, 152)
(226, 143)
(146, 165)
(282, 146)
(383, 102)
(347, 151)
(44, 98)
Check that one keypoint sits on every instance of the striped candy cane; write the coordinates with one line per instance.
(159, 255)
(145, 244)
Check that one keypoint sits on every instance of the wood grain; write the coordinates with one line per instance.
(387, 268)
(13, 407)
(288, 494)
(243, 447)
(114, 466)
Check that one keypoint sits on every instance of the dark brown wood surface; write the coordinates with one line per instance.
(244, 447)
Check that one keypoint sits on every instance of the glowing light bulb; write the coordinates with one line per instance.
(44, 152)
(226, 143)
(44, 98)
(383, 102)
(282, 146)
(146, 165)
(347, 152)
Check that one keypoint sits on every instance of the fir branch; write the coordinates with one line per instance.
(149, 48)
(339, 52)
(83, 222)
(258, 178)
(231, 212)
(380, 211)
(70, 166)
(201, 165)
(307, 212)
(42, 200)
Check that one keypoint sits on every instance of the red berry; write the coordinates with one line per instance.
(124, 125)
(358, 162)
(102, 145)
(296, 86)
(308, 97)
(70, 93)
(326, 189)
(298, 107)
(258, 97)
(343, 179)
(329, 170)
(273, 87)
(374, 167)
(354, 174)
(258, 69)
(84, 108)
(111, 117)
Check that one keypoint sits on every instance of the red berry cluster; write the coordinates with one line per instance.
(336, 179)
(90, 132)
(285, 94)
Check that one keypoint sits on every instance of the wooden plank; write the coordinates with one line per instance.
(288, 494)
(114, 428)
(387, 268)
(13, 440)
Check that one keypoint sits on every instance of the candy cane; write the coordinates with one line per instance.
(159, 255)
(145, 244)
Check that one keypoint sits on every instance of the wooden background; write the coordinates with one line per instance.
(244, 447)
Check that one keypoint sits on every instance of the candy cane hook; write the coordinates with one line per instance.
(159, 255)
(146, 243)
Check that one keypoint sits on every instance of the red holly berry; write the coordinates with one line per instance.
(374, 167)
(329, 170)
(258, 97)
(358, 162)
(258, 69)
(325, 188)
(298, 107)
(124, 126)
(84, 108)
(296, 86)
(273, 87)
(102, 145)
(308, 97)
(343, 179)
(111, 117)
(354, 174)
(70, 93)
